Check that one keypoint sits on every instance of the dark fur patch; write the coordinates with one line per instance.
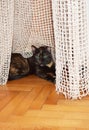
(19, 66)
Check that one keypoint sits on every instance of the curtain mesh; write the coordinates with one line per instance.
(6, 34)
(44, 22)
(33, 25)
(71, 40)
(21, 26)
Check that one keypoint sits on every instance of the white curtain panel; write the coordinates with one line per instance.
(60, 24)
(6, 35)
(71, 41)
(32, 25)
(22, 26)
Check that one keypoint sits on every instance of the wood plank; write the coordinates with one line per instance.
(74, 102)
(54, 97)
(57, 115)
(8, 127)
(47, 122)
(4, 100)
(66, 108)
(17, 87)
(40, 100)
(11, 106)
(27, 101)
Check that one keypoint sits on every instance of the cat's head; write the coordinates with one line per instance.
(42, 55)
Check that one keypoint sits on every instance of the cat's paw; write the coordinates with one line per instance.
(51, 79)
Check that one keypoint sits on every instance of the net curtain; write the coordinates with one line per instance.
(61, 24)
(6, 35)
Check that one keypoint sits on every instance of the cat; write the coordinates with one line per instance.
(41, 64)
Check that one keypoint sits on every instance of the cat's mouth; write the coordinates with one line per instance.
(41, 65)
(48, 65)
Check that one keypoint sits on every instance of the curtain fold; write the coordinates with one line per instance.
(32, 25)
(71, 41)
(22, 26)
(6, 36)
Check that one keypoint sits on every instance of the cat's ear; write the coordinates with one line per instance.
(33, 48)
(49, 48)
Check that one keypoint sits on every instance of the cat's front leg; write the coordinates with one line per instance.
(45, 76)
(51, 78)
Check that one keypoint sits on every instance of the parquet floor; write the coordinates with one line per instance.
(31, 103)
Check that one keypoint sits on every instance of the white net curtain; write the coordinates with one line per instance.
(71, 38)
(6, 36)
(61, 24)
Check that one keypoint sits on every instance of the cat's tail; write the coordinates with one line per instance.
(16, 77)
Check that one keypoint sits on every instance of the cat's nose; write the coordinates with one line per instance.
(41, 64)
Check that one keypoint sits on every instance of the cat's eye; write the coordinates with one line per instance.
(45, 56)
(37, 57)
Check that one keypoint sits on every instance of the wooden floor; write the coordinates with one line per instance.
(32, 104)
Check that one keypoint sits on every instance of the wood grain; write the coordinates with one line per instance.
(32, 103)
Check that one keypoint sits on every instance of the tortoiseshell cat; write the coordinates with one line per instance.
(40, 64)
